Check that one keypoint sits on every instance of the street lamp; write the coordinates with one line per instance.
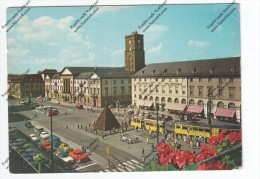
(209, 109)
(157, 125)
(52, 168)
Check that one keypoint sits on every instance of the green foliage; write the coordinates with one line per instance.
(192, 167)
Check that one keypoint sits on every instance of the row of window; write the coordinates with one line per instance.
(183, 79)
(117, 81)
(219, 91)
(163, 90)
(114, 90)
(162, 80)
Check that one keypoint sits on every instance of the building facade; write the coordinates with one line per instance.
(25, 86)
(189, 86)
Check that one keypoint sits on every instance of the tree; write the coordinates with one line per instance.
(39, 72)
(39, 159)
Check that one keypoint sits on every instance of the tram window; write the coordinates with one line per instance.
(207, 130)
(201, 129)
(138, 120)
(178, 127)
(184, 127)
(194, 128)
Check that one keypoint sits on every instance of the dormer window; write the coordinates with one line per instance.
(153, 72)
(178, 71)
(165, 70)
(211, 70)
(194, 70)
(142, 71)
(233, 69)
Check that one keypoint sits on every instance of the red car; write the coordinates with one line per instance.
(46, 146)
(78, 155)
(79, 106)
(54, 112)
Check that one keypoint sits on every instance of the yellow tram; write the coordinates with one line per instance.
(203, 130)
(148, 124)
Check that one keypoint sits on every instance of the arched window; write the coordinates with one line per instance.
(157, 99)
(191, 101)
(140, 96)
(176, 100)
(232, 105)
(220, 104)
(211, 103)
(183, 101)
(145, 98)
(200, 103)
(163, 100)
(151, 98)
(169, 100)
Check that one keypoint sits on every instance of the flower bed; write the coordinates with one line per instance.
(217, 150)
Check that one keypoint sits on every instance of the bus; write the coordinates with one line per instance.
(147, 124)
(197, 129)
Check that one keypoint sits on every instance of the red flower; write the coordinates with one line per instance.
(234, 137)
(213, 165)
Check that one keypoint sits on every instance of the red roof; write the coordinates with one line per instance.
(195, 109)
(225, 112)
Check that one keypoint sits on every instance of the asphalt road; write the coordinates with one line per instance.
(76, 138)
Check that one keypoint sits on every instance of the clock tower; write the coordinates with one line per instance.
(134, 52)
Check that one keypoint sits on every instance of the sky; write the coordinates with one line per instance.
(43, 38)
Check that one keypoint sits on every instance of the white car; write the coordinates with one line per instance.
(34, 138)
(44, 135)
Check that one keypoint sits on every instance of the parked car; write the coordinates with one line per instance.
(24, 147)
(46, 146)
(56, 140)
(29, 125)
(64, 156)
(168, 118)
(53, 112)
(34, 138)
(34, 105)
(79, 106)
(44, 135)
(40, 108)
(46, 108)
(64, 160)
(18, 142)
(64, 147)
(78, 155)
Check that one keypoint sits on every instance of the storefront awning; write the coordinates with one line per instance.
(148, 103)
(175, 106)
(225, 112)
(195, 109)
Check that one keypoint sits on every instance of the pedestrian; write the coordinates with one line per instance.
(142, 151)
(147, 140)
(184, 138)
(165, 135)
(175, 140)
(67, 126)
(171, 124)
(191, 144)
(89, 125)
(81, 126)
(86, 128)
(78, 126)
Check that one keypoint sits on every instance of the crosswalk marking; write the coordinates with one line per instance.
(120, 169)
(127, 166)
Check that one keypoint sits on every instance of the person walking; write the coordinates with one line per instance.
(78, 126)
(147, 140)
(86, 128)
(191, 144)
(142, 151)
(81, 126)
